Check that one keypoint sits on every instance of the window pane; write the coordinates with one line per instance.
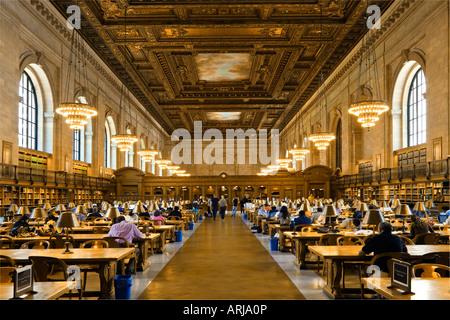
(417, 110)
(27, 113)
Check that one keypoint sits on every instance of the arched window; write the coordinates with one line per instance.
(107, 145)
(339, 145)
(28, 113)
(417, 110)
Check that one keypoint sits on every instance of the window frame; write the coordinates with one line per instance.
(416, 110)
(77, 145)
(31, 96)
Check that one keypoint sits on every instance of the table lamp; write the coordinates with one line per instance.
(80, 210)
(47, 206)
(373, 218)
(420, 207)
(13, 208)
(337, 205)
(71, 205)
(362, 206)
(403, 211)
(67, 220)
(60, 208)
(396, 202)
(125, 206)
(39, 214)
(23, 210)
(112, 213)
(305, 207)
(139, 208)
(88, 205)
(319, 203)
(373, 202)
(328, 212)
(429, 204)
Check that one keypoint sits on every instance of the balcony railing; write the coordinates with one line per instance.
(438, 168)
(58, 178)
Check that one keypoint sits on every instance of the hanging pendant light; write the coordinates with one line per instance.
(163, 163)
(322, 139)
(76, 113)
(124, 141)
(368, 107)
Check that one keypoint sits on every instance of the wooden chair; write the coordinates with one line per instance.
(436, 258)
(91, 244)
(349, 241)
(7, 261)
(6, 242)
(327, 239)
(57, 241)
(407, 241)
(427, 238)
(307, 229)
(36, 244)
(388, 256)
(6, 274)
(429, 270)
(42, 269)
(113, 243)
(100, 230)
(173, 218)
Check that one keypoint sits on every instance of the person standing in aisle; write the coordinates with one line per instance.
(235, 204)
(223, 207)
(214, 206)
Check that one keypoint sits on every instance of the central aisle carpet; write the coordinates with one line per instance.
(222, 260)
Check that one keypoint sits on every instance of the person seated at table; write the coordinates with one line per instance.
(131, 216)
(301, 219)
(383, 242)
(418, 226)
(49, 226)
(144, 214)
(316, 215)
(351, 224)
(267, 207)
(158, 217)
(80, 216)
(272, 213)
(176, 213)
(21, 227)
(93, 215)
(285, 217)
(262, 211)
(129, 231)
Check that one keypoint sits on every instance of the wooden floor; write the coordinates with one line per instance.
(222, 260)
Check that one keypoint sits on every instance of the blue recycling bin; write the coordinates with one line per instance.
(244, 216)
(200, 217)
(274, 244)
(191, 226)
(178, 236)
(122, 286)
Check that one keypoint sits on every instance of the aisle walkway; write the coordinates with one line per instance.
(222, 260)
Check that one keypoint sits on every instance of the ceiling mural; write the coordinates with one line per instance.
(217, 67)
(207, 61)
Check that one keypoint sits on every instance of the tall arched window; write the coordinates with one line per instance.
(28, 113)
(339, 145)
(77, 145)
(417, 110)
(107, 145)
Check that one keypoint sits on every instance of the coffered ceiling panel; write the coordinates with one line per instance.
(230, 64)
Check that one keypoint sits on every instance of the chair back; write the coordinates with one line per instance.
(57, 241)
(329, 239)
(95, 244)
(407, 241)
(114, 242)
(430, 270)
(6, 274)
(6, 242)
(436, 258)
(307, 229)
(36, 244)
(43, 267)
(6, 261)
(101, 229)
(349, 241)
(173, 218)
(427, 238)
(386, 258)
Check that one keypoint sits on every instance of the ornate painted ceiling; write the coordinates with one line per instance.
(230, 64)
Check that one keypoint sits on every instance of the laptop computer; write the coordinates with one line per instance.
(442, 218)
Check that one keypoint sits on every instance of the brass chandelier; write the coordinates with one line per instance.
(299, 154)
(368, 107)
(76, 113)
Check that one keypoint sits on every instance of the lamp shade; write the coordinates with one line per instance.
(139, 208)
(403, 210)
(329, 211)
(47, 206)
(337, 205)
(60, 208)
(373, 203)
(71, 205)
(67, 220)
(396, 203)
(319, 203)
(383, 204)
(112, 213)
(125, 205)
(374, 217)
(13, 208)
(23, 210)
(429, 204)
(362, 206)
(38, 213)
(420, 206)
(88, 205)
(80, 209)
